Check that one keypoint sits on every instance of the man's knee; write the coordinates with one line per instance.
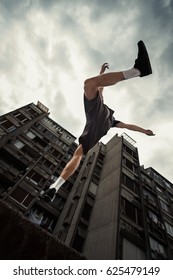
(90, 84)
(90, 88)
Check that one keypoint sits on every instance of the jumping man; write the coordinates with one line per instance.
(99, 117)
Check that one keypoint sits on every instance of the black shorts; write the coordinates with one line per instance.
(99, 119)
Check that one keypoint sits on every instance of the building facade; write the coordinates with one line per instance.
(33, 151)
(117, 209)
(111, 208)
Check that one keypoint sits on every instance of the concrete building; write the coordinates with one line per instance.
(33, 151)
(117, 209)
(111, 208)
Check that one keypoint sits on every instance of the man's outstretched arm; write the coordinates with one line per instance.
(135, 128)
(102, 70)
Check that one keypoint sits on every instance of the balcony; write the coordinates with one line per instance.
(135, 234)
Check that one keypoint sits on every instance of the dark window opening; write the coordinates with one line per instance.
(21, 196)
(86, 211)
(47, 164)
(19, 116)
(130, 165)
(157, 248)
(30, 152)
(131, 184)
(9, 159)
(5, 184)
(35, 178)
(59, 201)
(32, 112)
(40, 141)
(67, 186)
(51, 136)
(41, 217)
(131, 212)
(130, 151)
(40, 127)
(78, 242)
(8, 125)
(56, 154)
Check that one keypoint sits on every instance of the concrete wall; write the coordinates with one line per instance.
(101, 237)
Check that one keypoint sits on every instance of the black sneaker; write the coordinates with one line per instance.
(142, 63)
(49, 195)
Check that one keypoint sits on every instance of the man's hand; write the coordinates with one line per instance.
(104, 67)
(149, 132)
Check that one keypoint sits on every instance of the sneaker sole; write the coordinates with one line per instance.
(142, 46)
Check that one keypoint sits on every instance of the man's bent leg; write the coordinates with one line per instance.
(68, 170)
(142, 67)
(91, 85)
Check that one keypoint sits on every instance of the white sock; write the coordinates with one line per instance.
(131, 73)
(57, 184)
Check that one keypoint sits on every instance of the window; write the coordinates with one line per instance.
(32, 112)
(40, 141)
(86, 211)
(169, 229)
(40, 127)
(56, 154)
(149, 195)
(131, 184)
(167, 184)
(41, 217)
(97, 173)
(22, 197)
(2, 132)
(153, 216)
(156, 246)
(9, 126)
(146, 179)
(130, 165)
(35, 178)
(68, 137)
(30, 135)
(19, 144)
(59, 201)
(93, 188)
(78, 242)
(131, 251)
(67, 186)
(131, 212)
(47, 163)
(164, 205)
(50, 136)
(63, 145)
(7, 159)
(130, 151)
(5, 184)
(19, 116)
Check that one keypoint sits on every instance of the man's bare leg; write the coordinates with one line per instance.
(68, 170)
(142, 67)
(91, 85)
(73, 164)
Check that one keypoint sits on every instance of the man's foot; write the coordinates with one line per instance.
(49, 195)
(142, 63)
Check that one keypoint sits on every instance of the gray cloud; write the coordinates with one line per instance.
(63, 114)
(94, 31)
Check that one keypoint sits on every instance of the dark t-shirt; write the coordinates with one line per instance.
(99, 119)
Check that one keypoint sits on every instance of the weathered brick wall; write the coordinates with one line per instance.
(22, 240)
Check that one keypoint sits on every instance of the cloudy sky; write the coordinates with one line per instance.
(49, 47)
